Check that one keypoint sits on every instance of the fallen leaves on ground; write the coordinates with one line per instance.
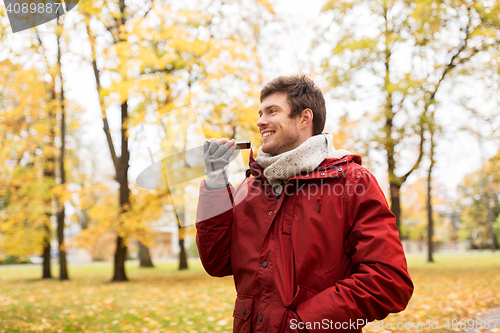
(452, 292)
(166, 300)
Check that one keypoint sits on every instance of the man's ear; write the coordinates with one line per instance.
(307, 118)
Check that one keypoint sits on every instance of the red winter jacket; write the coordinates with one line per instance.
(323, 257)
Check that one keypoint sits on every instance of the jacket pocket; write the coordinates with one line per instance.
(301, 295)
(242, 314)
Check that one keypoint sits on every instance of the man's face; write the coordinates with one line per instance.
(280, 133)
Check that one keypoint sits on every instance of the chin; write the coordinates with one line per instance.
(269, 150)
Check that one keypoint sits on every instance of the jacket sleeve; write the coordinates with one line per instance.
(214, 217)
(379, 283)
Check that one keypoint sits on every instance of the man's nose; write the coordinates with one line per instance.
(262, 121)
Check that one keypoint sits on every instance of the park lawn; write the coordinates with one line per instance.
(154, 300)
(165, 300)
(449, 290)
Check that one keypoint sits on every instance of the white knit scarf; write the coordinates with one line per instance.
(306, 157)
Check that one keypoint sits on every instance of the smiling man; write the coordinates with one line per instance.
(309, 239)
(280, 129)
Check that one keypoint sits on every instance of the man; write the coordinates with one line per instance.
(309, 239)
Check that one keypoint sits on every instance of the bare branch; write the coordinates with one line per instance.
(432, 98)
(403, 178)
(106, 128)
(147, 12)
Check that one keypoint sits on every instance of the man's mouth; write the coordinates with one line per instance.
(267, 134)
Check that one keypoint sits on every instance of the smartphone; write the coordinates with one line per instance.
(243, 144)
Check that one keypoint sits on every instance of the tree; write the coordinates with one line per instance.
(119, 21)
(34, 111)
(480, 205)
(61, 211)
(54, 70)
(430, 219)
(27, 152)
(159, 57)
(395, 55)
(415, 209)
(482, 125)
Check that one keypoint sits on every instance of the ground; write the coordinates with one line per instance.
(452, 290)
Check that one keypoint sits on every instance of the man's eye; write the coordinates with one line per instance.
(272, 111)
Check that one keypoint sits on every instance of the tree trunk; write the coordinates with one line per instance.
(489, 208)
(395, 190)
(61, 213)
(50, 175)
(144, 256)
(46, 271)
(119, 274)
(430, 221)
(183, 263)
(122, 178)
(63, 268)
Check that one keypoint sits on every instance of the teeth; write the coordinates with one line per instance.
(265, 135)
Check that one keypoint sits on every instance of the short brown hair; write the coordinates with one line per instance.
(302, 94)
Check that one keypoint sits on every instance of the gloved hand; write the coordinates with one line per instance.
(216, 155)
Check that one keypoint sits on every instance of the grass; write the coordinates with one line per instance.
(165, 300)
(154, 300)
(451, 288)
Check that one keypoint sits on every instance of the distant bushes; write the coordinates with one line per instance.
(12, 260)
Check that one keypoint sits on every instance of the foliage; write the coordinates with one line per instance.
(479, 198)
(34, 125)
(147, 60)
(10, 260)
(156, 60)
(394, 57)
(414, 217)
(26, 154)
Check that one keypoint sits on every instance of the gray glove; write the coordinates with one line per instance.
(216, 158)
